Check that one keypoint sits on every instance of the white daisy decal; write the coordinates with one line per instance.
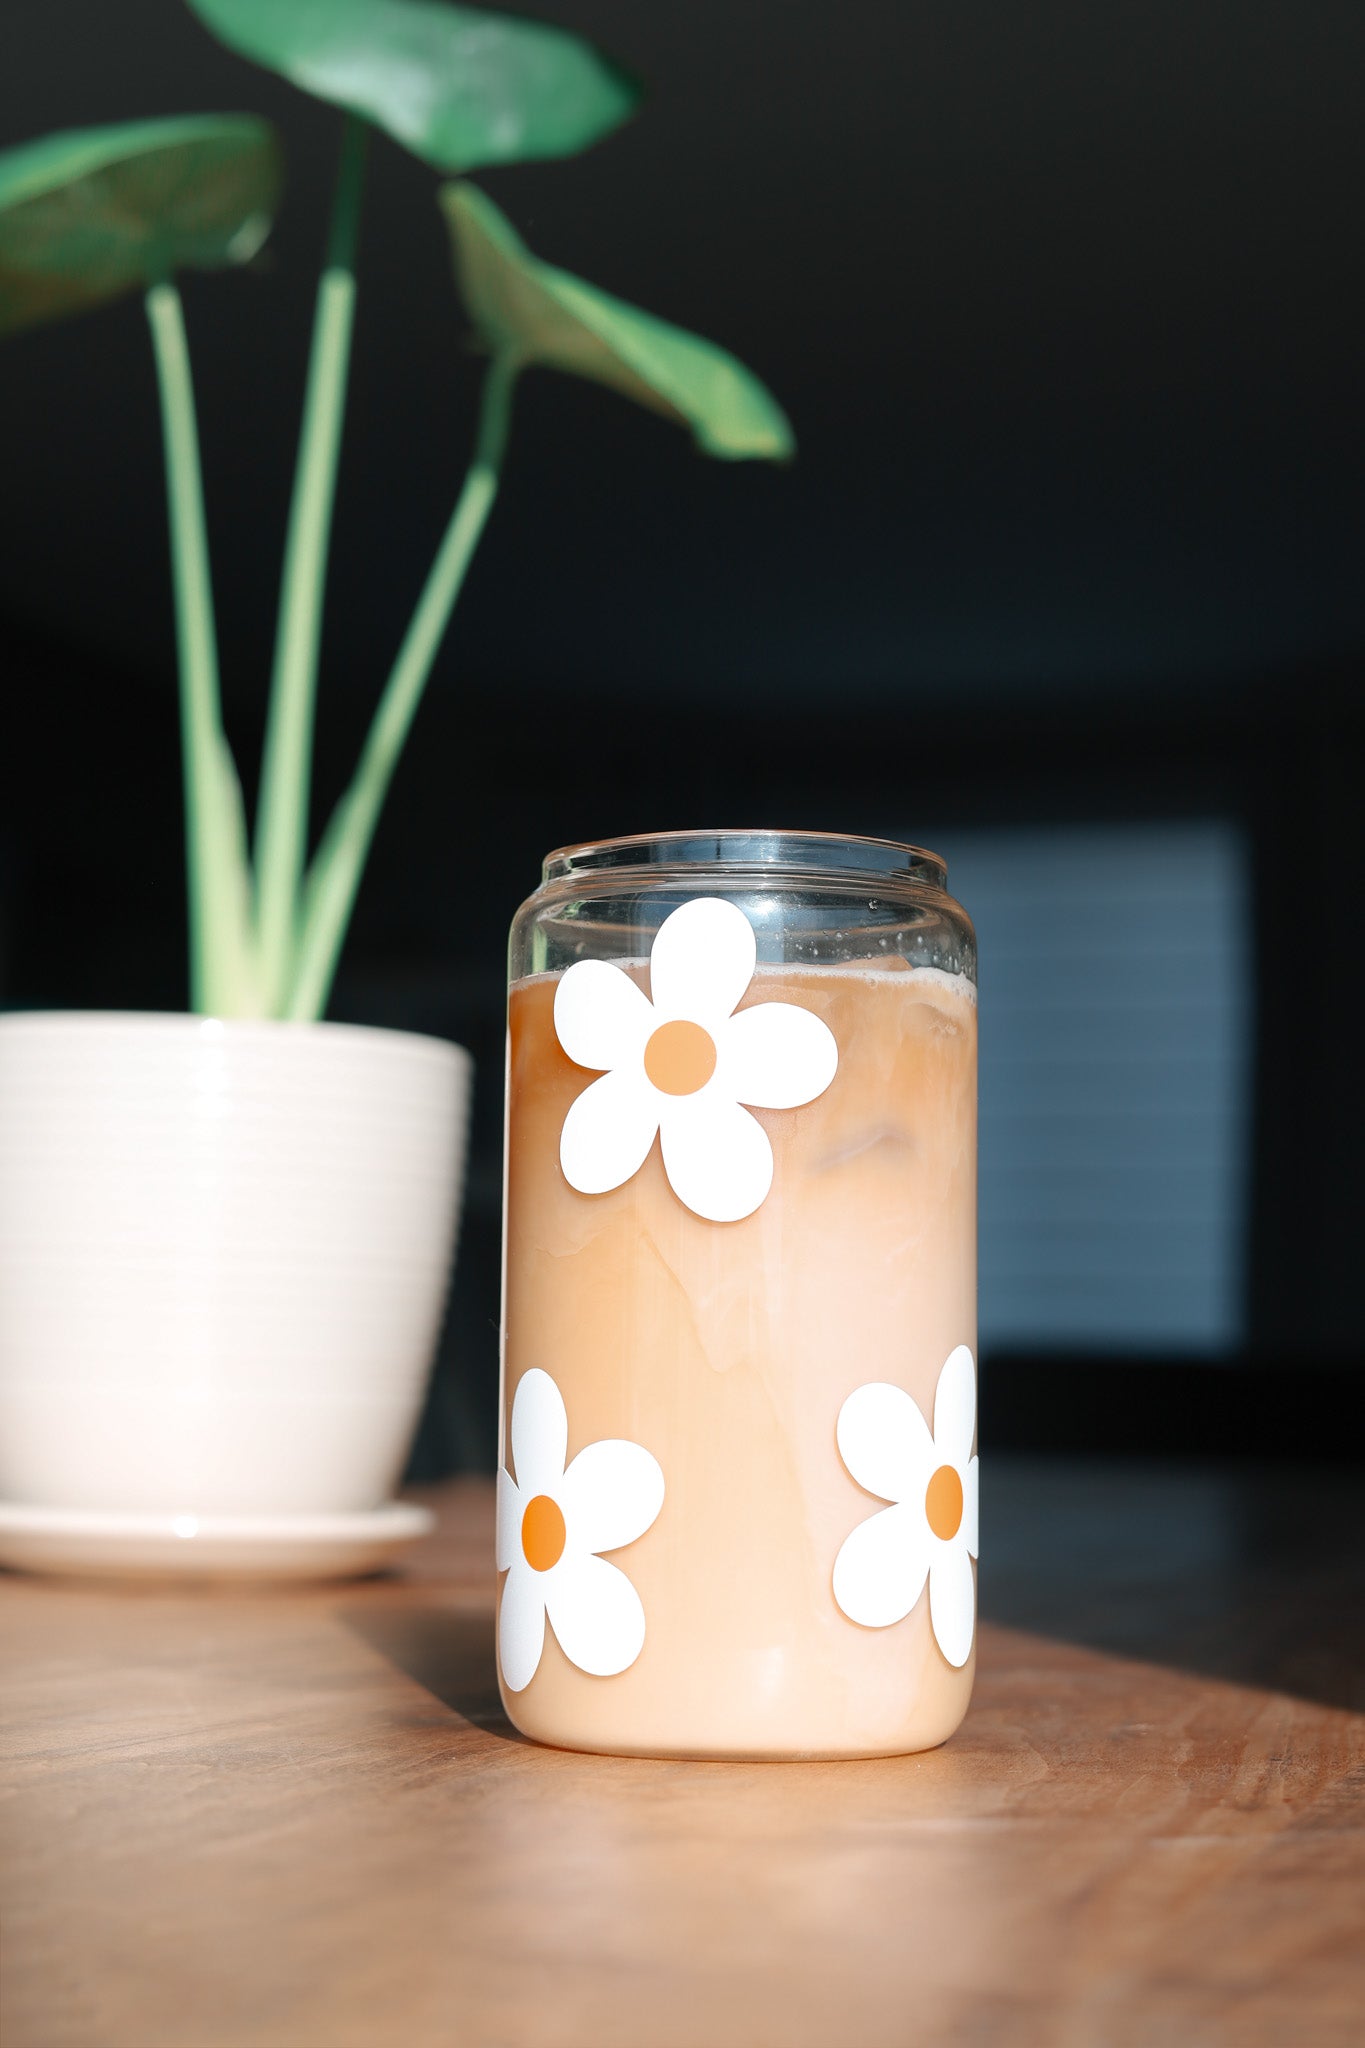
(931, 1530)
(679, 1063)
(552, 1525)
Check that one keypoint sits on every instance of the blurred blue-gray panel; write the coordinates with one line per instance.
(1116, 993)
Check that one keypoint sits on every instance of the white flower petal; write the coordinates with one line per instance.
(955, 1409)
(521, 1627)
(880, 1570)
(717, 1157)
(511, 1508)
(540, 1435)
(776, 1056)
(702, 961)
(884, 1440)
(608, 1132)
(602, 1018)
(970, 1498)
(611, 1494)
(952, 1602)
(596, 1615)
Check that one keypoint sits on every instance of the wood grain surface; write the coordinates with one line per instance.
(297, 1818)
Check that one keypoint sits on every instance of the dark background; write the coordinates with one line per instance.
(1067, 307)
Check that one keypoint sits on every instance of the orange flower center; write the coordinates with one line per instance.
(680, 1057)
(943, 1502)
(542, 1533)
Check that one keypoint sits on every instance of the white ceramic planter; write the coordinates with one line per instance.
(224, 1255)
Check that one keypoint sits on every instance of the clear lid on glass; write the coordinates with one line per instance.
(751, 850)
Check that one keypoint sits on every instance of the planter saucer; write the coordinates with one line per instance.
(84, 1540)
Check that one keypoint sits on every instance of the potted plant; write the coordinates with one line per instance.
(225, 1236)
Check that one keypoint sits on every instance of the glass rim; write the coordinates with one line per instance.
(761, 849)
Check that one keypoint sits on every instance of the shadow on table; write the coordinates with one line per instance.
(449, 1653)
(1250, 1573)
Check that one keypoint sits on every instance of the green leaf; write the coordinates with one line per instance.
(457, 86)
(232, 972)
(93, 212)
(529, 313)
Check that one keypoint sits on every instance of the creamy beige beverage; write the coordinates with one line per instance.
(727, 1351)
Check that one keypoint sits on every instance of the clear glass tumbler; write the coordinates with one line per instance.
(737, 1495)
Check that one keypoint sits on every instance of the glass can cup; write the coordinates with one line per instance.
(737, 1487)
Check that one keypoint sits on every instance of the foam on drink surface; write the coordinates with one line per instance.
(728, 1349)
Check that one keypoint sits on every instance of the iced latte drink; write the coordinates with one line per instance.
(737, 1508)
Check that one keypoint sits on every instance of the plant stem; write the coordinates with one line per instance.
(340, 861)
(286, 773)
(215, 850)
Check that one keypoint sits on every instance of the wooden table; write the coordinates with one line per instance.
(297, 1819)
